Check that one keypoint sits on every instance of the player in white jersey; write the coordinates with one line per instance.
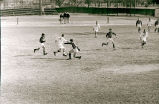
(157, 25)
(60, 43)
(96, 28)
(143, 38)
(149, 24)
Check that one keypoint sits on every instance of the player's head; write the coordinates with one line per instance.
(71, 40)
(110, 30)
(62, 35)
(42, 34)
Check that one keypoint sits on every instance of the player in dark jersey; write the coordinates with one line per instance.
(42, 41)
(74, 50)
(157, 25)
(139, 25)
(61, 18)
(109, 37)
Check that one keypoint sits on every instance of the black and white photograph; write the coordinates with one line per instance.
(79, 51)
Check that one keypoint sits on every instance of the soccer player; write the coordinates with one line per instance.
(109, 37)
(157, 25)
(149, 24)
(42, 41)
(96, 28)
(74, 50)
(143, 38)
(61, 18)
(139, 25)
(60, 42)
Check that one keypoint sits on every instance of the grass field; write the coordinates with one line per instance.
(127, 75)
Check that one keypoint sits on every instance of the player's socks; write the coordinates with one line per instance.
(36, 50)
(54, 53)
(113, 46)
(69, 56)
(79, 57)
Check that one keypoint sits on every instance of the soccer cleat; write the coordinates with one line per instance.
(69, 59)
(79, 57)
(45, 53)
(64, 55)
(34, 50)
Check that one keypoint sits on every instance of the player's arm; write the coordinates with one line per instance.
(68, 43)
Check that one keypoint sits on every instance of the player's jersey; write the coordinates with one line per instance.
(73, 44)
(42, 39)
(60, 41)
(96, 28)
(138, 22)
(110, 34)
(144, 36)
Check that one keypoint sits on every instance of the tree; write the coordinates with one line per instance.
(88, 2)
(59, 2)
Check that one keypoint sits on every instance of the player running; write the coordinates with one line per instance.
(143, 38)
(60, 43)
(74, 50)
(42, 41)
(96, 28)
(149, 24)
(109, 37)
(139, 25)
(157, 25)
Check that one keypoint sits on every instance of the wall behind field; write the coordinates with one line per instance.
(108, 11)
(92, 10)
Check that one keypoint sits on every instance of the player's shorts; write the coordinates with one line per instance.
(42, 45)
(139, 25)
(61, 46)
(74, 50)
(110, 39)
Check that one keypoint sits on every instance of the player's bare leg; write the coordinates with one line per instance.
(95, 34)
(44, 52)
(104, 44)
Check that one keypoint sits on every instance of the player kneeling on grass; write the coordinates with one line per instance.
(42, 41)
(109, 37)
(96, 28)
(143, 38)
(60, 43)
(75, 50)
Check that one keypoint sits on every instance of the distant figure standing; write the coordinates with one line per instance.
(96, 28)
(149, 24)
(43, 10)
(42, 41)
(157, 25)
(143, 38)
(65, 17)
(109, 37)
(139, 25)
(61, 18)
(68, 17)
